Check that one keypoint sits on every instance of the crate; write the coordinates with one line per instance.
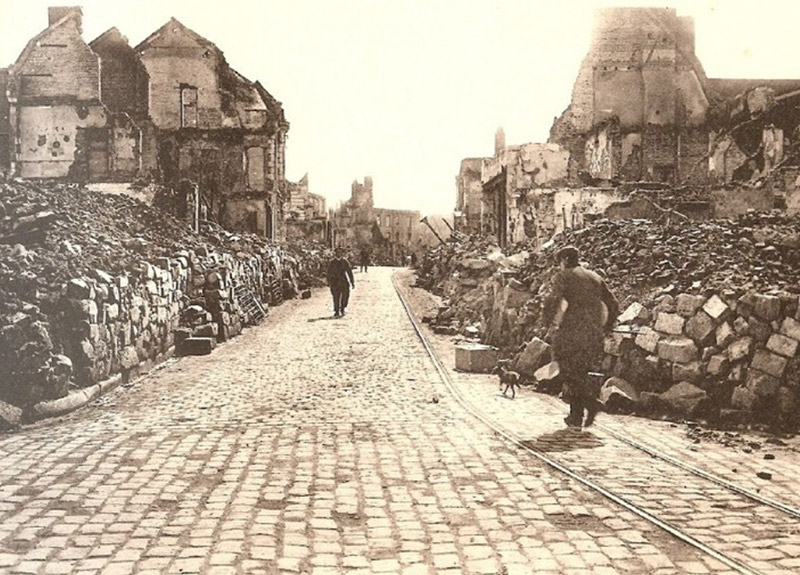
(476, 357)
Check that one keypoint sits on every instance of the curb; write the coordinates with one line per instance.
(73, 400)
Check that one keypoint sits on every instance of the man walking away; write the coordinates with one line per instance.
(340, 279)
(577, 334)
(364, 259)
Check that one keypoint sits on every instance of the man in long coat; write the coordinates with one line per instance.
(579, 311)
(340, 279)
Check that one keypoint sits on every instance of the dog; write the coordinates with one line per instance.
(509, 380)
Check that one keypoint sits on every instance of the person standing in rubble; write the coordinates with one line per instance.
(579, 310)
(364, 259)
(340, 280)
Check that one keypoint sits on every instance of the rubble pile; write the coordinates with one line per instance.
(710, 326)
(96, 285)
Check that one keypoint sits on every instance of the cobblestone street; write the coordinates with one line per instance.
(322, 446)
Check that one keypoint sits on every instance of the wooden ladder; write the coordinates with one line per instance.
(253, 308)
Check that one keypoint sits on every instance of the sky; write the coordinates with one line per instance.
(403, 90)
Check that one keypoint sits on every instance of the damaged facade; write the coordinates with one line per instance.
(306, 214)
(171, 109)
(390, 236)
(643, 116)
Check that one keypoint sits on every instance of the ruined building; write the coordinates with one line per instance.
(388, 235)
(171, 110)
(306, 214)
(643, 118)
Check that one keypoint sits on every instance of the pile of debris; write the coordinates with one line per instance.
(711, 311)
(92, 284)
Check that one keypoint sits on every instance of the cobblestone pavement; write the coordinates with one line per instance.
(764, 539)
(310, 445)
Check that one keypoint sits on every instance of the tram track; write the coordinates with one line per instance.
(626, 501)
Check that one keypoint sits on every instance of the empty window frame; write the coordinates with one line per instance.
(255, 168)
(189, 108)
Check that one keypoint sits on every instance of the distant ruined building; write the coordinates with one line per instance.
(306, 213)
(389, 236)
(644, 126)
(170, 110)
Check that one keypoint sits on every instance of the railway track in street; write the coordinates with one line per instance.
(701, 508)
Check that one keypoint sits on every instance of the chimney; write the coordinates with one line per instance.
(499, 141)
(56, 13)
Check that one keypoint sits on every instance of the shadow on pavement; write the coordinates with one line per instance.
(563, 440)
(324, 317)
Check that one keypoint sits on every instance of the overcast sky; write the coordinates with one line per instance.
(403, 90)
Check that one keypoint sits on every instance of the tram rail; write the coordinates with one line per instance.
(681, 534)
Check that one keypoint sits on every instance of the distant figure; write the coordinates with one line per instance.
(413, 259)
(577, 332)
(364, 259)
(340, 280)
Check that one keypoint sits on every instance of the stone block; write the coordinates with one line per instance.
(128, 358)
(632, 313)
(790, 327)
(111, 312)
(762, 384)
(691, 372)
(686, 305)
(548, 372)
(768, 362)
(782, 345)
(740, 349)
(515, 298)
(197, 346)
(475, 264)
(715, 307)
(617, 343)
(724, 334)
(10, 415)
(718, 365)
(684, 398)
(700, 327)
(618, 395)
(677, 349)
(535, 354)
(79, 289)
(206, 330)
(670, 323)
(737, 373)
(767, 307)
(476, 358)
(647, 339)
(787, 401)
(742, 398)
(104, 277)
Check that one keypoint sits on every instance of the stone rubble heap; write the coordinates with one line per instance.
(710, 324)
(94, 286)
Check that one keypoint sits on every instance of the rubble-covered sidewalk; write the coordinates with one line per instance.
(710, 323)
(99, 287)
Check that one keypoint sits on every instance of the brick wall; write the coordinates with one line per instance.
(125, 83)
(59, 65)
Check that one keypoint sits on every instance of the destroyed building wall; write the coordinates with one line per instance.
(399, 233)
(125, 91)
(639, 101)
(469, 195)
(56, 119)
(217, 129)
(306, 214)
(508, 183)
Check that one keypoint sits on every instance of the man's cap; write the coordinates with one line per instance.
(569, 253)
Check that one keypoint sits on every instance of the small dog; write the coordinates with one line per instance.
(509, 380)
